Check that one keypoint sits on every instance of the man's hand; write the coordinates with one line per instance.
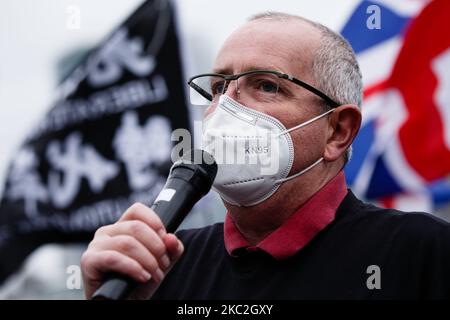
(136, 246)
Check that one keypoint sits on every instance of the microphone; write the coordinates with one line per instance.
(190, 178)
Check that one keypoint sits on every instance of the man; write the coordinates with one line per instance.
(296, 232)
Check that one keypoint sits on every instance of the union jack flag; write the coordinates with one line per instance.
(401, 157)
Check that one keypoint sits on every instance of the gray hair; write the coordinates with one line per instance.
(334, 67)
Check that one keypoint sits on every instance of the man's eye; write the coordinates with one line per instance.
(217, 88)
(268, 86)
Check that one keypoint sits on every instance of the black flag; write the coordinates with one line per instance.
(104, 144)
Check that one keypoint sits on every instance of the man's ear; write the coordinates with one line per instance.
(344, 124)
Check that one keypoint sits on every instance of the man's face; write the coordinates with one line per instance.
(288, 47)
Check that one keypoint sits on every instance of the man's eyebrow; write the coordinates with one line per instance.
(221, 70)
(250, 68)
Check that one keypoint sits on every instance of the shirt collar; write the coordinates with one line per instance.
(299, 229)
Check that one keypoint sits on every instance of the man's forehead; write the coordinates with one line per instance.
(269, 44)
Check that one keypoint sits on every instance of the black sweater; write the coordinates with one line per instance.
(412, 251)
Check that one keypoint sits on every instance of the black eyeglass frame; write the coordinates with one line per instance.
(280, 75)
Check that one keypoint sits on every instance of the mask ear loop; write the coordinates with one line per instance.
(305, 123)
(298, 127)
(301, 172)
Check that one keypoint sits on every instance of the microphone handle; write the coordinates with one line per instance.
(182, 198)
(115, 286)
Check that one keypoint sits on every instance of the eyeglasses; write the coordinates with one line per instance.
(260, 85)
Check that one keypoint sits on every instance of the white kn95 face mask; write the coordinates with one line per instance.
(254, 152)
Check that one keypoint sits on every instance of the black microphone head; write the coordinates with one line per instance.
(202, 161)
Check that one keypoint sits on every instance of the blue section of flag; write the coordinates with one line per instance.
(382, 184)
(361, 147)
(440, 191)
(361, 37)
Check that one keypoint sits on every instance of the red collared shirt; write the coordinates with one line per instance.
(299, 229)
